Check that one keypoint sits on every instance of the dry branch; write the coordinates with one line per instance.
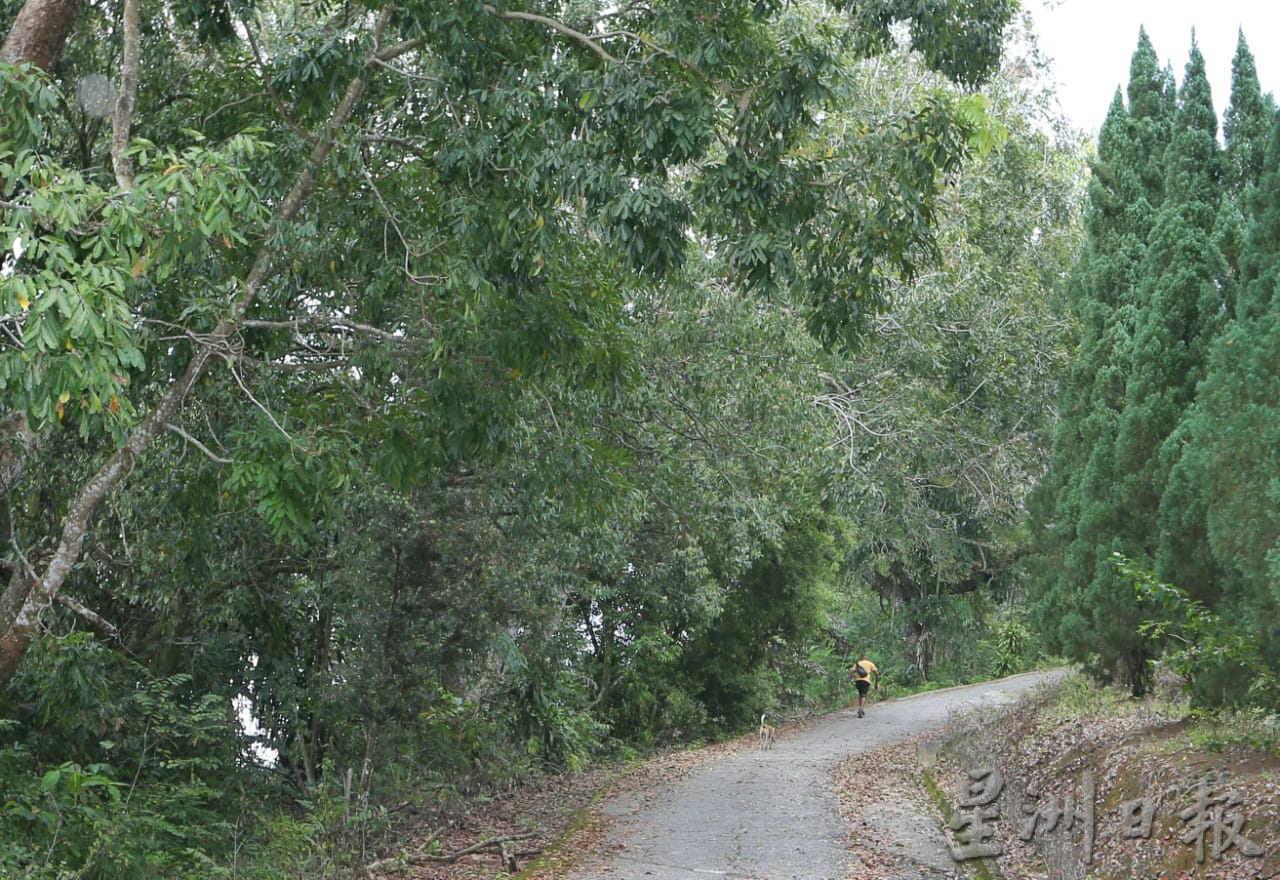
(500, 846)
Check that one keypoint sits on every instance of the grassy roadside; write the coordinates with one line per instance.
(1173, 795)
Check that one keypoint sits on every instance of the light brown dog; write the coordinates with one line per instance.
(767, 734)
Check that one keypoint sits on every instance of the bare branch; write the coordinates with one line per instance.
(417, 858)
(235, 374)
(555, 26)
(99, 623)
(174, 429)
(421, 77)
(230, 105)
(271, 92)
(321, 323)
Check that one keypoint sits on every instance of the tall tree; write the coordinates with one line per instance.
(1075, 523)
(1184, 552)
(1177, 311)
(1246, 126)
(1231, 438)
(1247, 123)
(522, 170)
(943, 413)
(1183, 276)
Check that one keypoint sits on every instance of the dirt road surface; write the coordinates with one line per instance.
(773, 815)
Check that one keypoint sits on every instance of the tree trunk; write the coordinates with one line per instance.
(16, 634)
(39, 32)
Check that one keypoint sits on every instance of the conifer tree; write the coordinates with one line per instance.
(1260, 259)
(1077, 521)
(1247, 123)
(1184, 554)
(1232, 442)
(1246, 126)
(1184, 275)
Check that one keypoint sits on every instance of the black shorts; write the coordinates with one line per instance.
(864, 685)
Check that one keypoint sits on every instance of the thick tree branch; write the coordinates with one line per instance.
(390, 53)
(39, 32)
(555, 26)
(122, 120)
(100, 623)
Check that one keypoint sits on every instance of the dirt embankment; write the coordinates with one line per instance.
(1089, 784)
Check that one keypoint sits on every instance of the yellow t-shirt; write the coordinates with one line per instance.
(868, 666)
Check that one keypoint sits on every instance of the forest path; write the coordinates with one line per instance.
(774, 814)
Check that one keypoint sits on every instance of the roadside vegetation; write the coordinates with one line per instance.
(404, 406)
(1176, 792)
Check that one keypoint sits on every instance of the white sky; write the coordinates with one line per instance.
(1091, 43)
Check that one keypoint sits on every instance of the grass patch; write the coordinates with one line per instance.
(1254, 729)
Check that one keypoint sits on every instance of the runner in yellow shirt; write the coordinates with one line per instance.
(863, 671)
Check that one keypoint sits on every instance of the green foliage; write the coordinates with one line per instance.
(512, 451)
(26, 100)
(1151, 290)
(1167, 414)
(1247, 123)
(139, 787)
(770, 612)
(936, 496)
(1011, 646)
(1254, 728)
(1078, 697)
(1218, 661)
(91, 260)
(957, 46)
(69, 804)
(1230, 437)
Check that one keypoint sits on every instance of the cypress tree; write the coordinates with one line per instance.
(1232, 449)
(1092, 292)
(1260, 255)
(1246, 126)
(1247, 123)
(1184, 311)
(1152, 95)
(1184, 553)
(1077, 520)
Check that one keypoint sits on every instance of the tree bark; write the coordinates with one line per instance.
(122, 120)
(39, 32)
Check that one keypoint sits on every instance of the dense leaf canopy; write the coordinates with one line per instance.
(447, 391)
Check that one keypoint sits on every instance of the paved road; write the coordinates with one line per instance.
(708, 825)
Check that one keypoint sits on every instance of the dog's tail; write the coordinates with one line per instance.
(762, 719)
